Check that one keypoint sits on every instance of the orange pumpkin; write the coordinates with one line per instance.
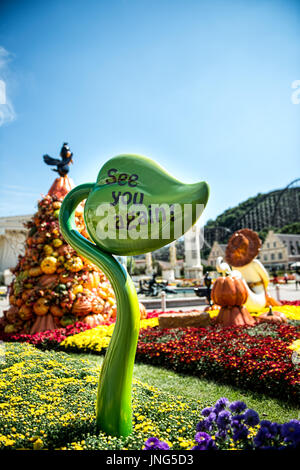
(93, 320)
(93, 280)
(97, 305)
(234, 316)
(56, 205)
(74, 264)
(12, 299)
(36, 271)
(41, 306)
(11, 314)
(82, 306)
(229, 291)
(273, 317)
(19, 302)
(25, 312)
(26, 294)
(57, 311)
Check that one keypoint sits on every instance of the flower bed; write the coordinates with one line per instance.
(47, 401)
(291, 302)
(254, 357)
(49, 339)
(233, 426)
(291, 311)
(97, 339)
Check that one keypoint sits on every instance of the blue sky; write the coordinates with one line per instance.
(203, 87)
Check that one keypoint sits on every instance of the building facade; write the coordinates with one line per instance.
(217, 250)
(280, 250)
(12, 240)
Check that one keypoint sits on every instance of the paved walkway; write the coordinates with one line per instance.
(286, 291)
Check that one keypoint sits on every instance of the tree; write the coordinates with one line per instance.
(291, 228)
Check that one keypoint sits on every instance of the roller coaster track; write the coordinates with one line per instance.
(274, 209)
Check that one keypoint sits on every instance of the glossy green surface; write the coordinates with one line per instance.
(124, 184)
(135, 176)
(113, 410)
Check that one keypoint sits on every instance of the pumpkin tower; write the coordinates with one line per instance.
(53, 285)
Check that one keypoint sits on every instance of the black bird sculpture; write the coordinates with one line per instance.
(62, 166)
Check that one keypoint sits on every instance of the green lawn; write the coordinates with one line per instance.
(208, 391)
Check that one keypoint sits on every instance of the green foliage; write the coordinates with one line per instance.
(228, 217)
(47, 401)
(291, 228)
(208, 391)
(207, 268)
(263, 233)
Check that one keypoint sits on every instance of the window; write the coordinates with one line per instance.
(268, 245)
(279, 255)
(265, 258)
(274, 244)
(272, 256)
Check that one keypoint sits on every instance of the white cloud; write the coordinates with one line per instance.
(7, 112)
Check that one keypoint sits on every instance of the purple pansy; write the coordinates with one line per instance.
(291, 431)
(237, 406)
(206, 411)
(221, 404)
(155, 444)
(251, 417)
(204, 441)
(223, 419)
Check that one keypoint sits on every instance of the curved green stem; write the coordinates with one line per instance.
(113, 410)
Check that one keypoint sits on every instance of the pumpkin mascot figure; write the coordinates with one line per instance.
(241, 251)
(230, 292)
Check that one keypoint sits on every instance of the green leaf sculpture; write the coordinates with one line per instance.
(134, 207)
